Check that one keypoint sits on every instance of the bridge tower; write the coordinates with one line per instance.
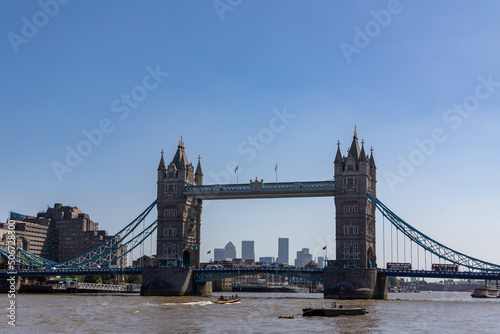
(354, 273)
(355, 176)
(179, 217)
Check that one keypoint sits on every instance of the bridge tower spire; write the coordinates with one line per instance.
(179, 217)
(355, 176)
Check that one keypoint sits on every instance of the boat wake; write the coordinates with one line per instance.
(200, 303)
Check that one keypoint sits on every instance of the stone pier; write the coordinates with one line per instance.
(172, 282)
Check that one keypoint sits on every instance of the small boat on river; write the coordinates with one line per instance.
(484, 293)
(333, 311)
(225, 300)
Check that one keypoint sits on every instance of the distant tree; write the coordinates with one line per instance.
(93, 279)
(393, 281)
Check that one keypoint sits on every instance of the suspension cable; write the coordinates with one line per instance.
(383, 237)
(392, 251)
(397, 245)
(404, 247)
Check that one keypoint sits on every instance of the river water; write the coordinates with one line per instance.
(427, 312)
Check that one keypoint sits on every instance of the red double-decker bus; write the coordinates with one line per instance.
(399, 266)
(445, 266)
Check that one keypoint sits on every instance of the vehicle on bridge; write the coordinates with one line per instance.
(398, 266)
(445, 266)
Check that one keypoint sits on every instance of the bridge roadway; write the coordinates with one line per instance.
(69, 272)
(258, 189)
(203, 274)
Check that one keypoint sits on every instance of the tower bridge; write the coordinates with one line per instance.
(180, 193)
(179, 202)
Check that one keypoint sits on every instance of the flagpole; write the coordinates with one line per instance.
(276, 170)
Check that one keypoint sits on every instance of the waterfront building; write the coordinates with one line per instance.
(61, 233)
(282, 251)
(303, 258)
(218, 254)
(247, 250)
(32, 237)
(266, 260)
(144, 261)
(229, 251)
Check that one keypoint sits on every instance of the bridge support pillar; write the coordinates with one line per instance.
(349, 283)
(381, 287)
(172, 282)
(8, 285)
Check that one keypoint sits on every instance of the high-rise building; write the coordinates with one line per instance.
(247, 250)
(321, 261)
(303, 258)
(218, 254)
(230, 251)
(282, 251)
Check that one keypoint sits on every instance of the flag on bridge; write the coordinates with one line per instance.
(209, 251)
(324, 248)
(236, 169)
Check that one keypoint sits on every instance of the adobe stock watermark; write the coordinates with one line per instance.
(11, 270)
(253, 144)
(31, 26)
(454, 118)
(223, 6)
(371, 30)
(122, 107)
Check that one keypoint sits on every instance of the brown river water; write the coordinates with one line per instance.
(424, 312)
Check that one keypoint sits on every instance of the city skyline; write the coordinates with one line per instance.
(87, 112)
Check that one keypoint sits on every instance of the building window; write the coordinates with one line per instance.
(356, 210)
(350, 182)
(350, 168)
(345, 208)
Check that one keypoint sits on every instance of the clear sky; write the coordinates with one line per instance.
(92, 91)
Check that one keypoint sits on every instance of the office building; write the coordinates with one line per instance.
(282, 251)
(247, 250)
(218, 254)
(230, 251)
(303, 258)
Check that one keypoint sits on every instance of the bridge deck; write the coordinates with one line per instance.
(79, 271)
(262, 190)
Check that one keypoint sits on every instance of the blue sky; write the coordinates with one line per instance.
(420, 79)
